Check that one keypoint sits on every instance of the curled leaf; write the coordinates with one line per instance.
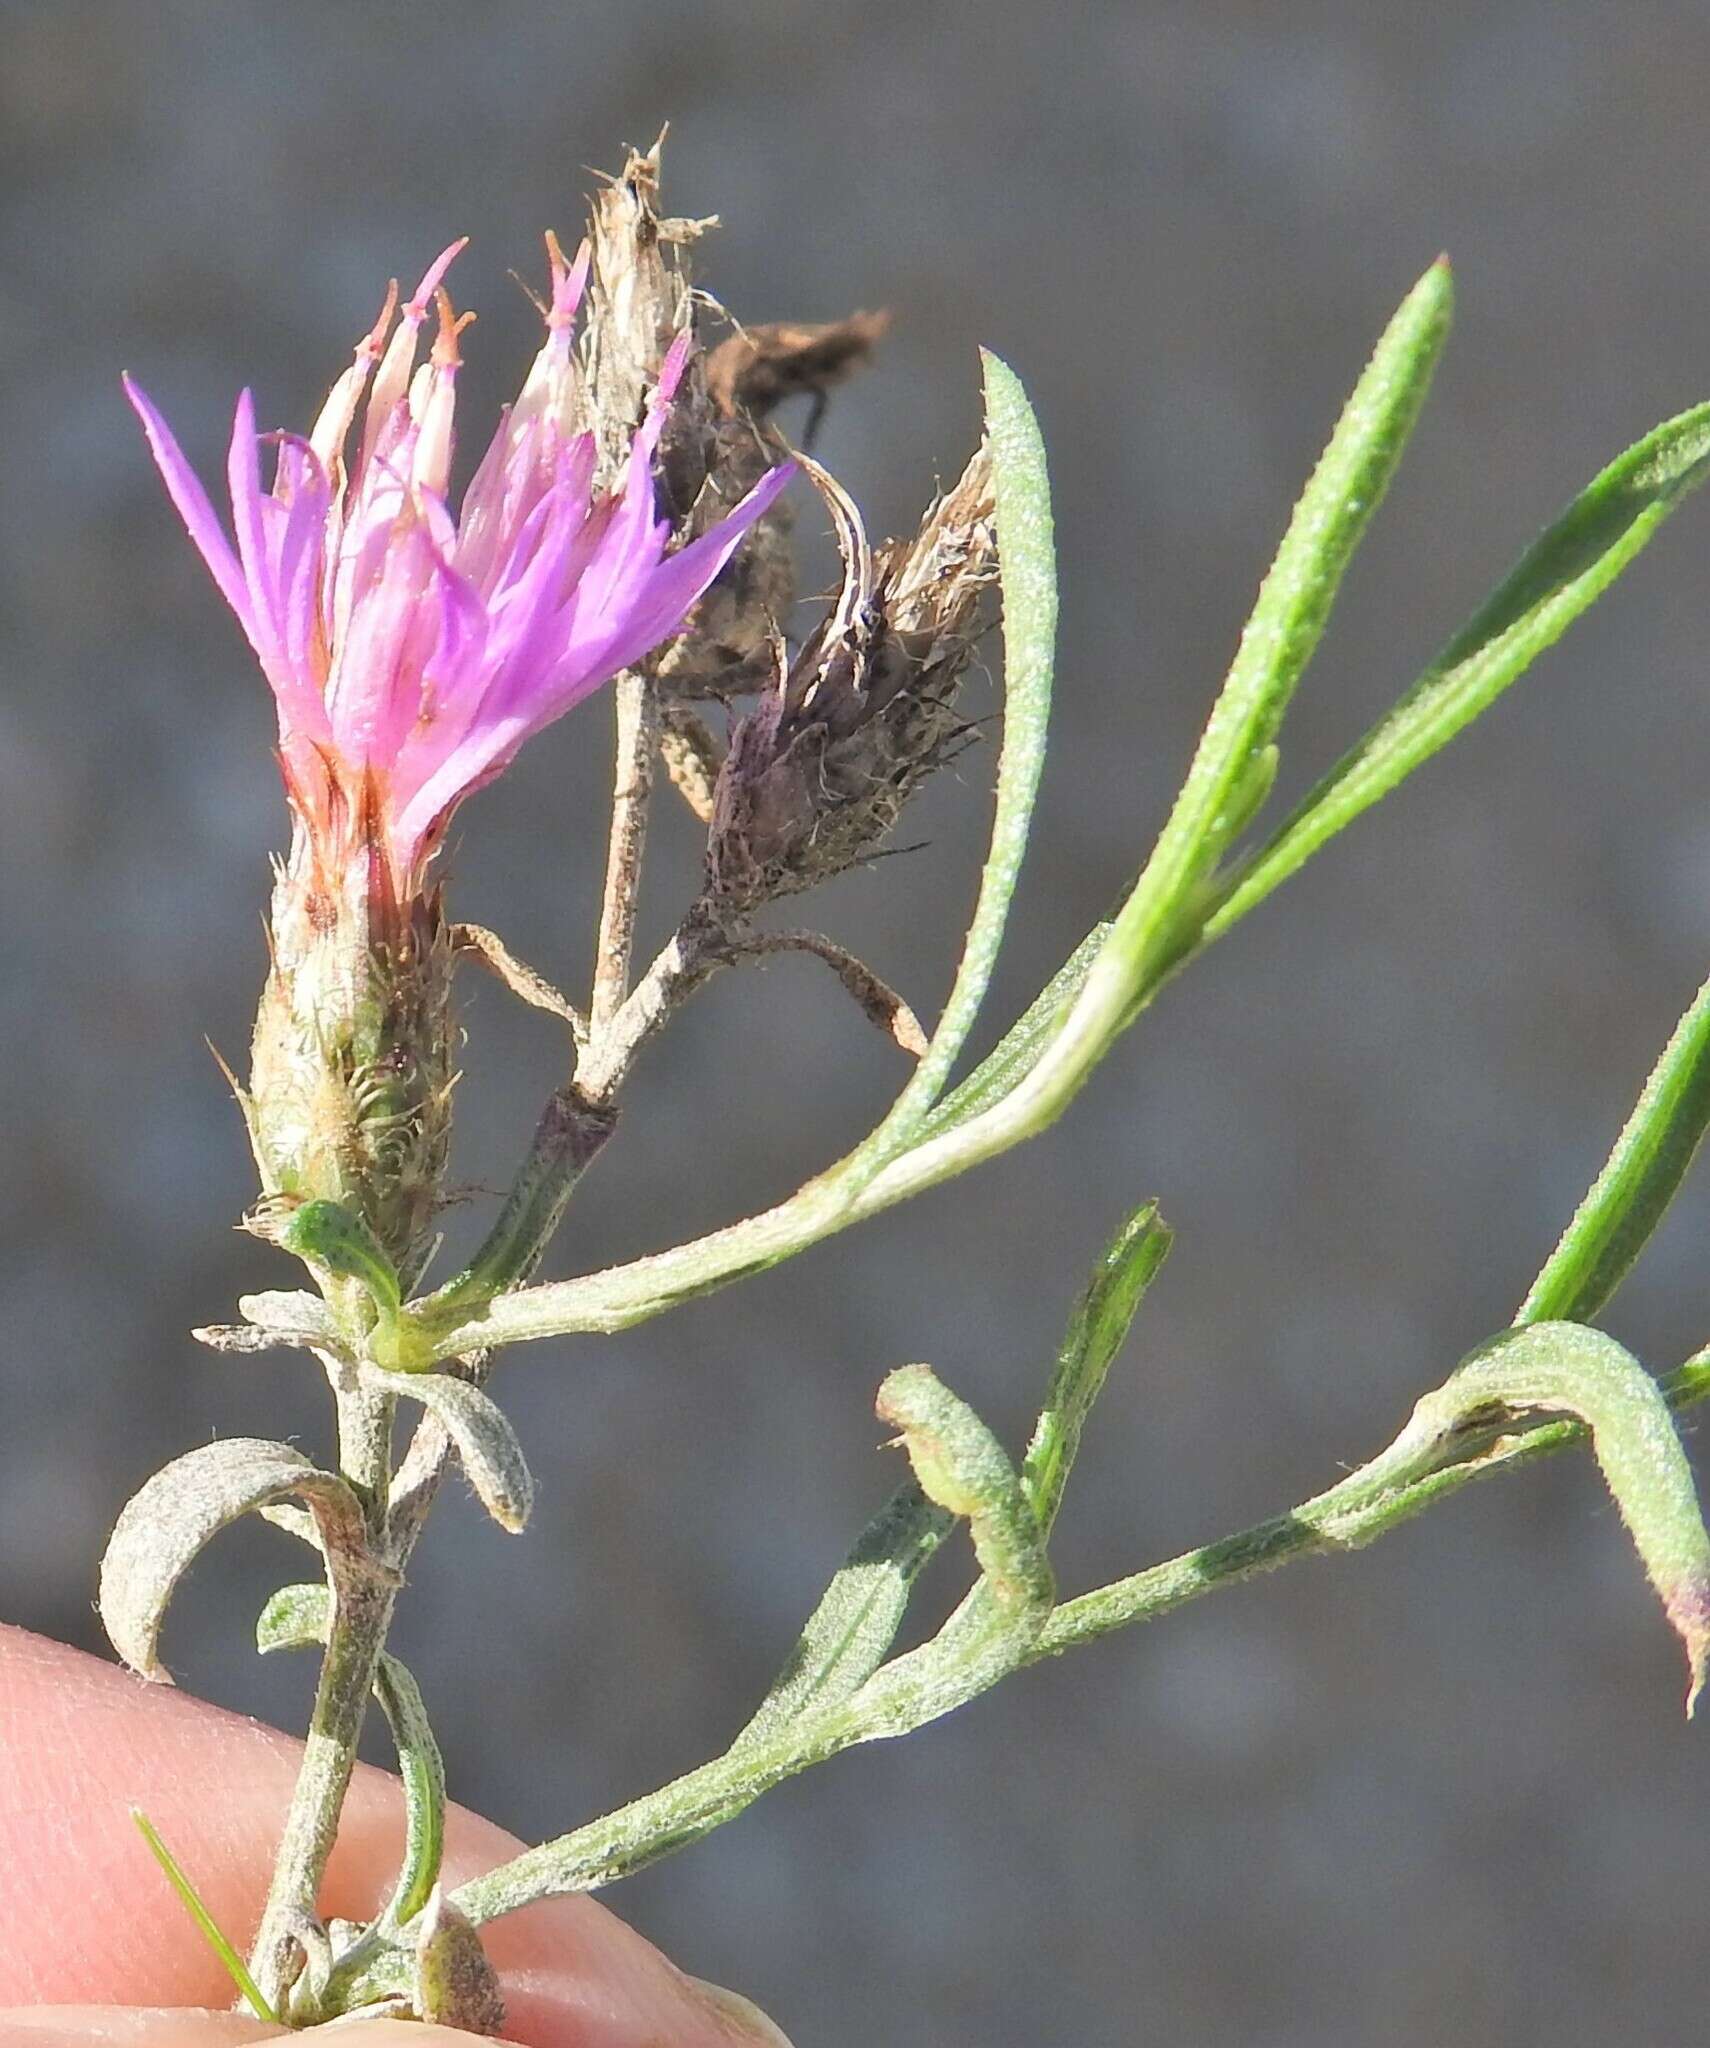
(963, 1467)
(485, 1440)
(170, 1517)
(1566, 1369)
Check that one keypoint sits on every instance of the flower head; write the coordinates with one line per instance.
(411, 651)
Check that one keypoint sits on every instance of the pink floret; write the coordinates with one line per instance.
(412, 651)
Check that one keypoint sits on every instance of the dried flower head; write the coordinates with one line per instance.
(411, 651)
(818, 773)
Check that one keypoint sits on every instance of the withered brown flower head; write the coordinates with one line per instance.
(819, 772)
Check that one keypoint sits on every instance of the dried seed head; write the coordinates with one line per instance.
(715, 446)
(718, 454)
(638, 303)
(818, 773)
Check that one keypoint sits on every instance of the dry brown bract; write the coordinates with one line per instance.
(818, 774)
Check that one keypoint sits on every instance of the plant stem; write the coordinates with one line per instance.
(361, 1615)
(925, 1684)
(635, 696)
(363, 1595)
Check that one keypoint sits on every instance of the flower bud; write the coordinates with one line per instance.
(351, 1075)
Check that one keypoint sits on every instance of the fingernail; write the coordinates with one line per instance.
(740, 2017)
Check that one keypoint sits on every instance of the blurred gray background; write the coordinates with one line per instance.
(1442, 1787)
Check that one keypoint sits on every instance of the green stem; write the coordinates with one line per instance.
(1348, 1516)
(361, 1615)
(362, 1603)
(569, 1136)
(925, 1684)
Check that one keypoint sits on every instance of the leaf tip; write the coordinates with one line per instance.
(1689, 1610)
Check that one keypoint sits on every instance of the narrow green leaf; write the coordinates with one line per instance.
(1559, 577)
(1095, 1334)
(1288, 621)
(423, 1772)
(230, 1961)
(297, 1618)
(1640, 1179)
(1234, 762)
(856, 1621)
(1027, 566)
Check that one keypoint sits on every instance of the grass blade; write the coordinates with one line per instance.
(230, 1961)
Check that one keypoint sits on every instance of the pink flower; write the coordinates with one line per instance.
(412, 652)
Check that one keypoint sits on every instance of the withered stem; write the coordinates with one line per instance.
(637, 707)
(877, 1000)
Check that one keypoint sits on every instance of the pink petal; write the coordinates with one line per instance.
(243, 474)
(192, 504)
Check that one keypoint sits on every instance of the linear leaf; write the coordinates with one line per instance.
(1639, 1180)
(1095, 1334)
(1289, 618)
(1234, 761)
(1560, 576)
(206, 1925)
(857, 1619)
(1027, 567)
